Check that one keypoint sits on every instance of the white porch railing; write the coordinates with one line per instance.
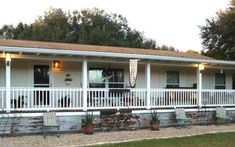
(218, 97)
(100, 98)
(35, 99)
(46, 98)
(173, 98)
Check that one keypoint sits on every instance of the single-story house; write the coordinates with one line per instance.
(47, 76)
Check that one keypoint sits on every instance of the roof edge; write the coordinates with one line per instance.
(111, 54)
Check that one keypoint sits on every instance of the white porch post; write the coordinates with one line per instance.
(8, 82)
(148, 78)
(199, 84)
(84, 80)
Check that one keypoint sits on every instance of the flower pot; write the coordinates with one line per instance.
(88, 129)
(155, 125)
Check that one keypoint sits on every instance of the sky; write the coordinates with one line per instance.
(170, 22)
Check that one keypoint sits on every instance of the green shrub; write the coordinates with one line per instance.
(88, 119)
(154, 117)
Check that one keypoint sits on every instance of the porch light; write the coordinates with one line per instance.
(201, 67)
(8, 58)
(56, 64)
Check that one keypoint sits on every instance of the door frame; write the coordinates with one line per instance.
(32, 82)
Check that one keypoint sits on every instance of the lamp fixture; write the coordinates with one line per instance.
(56, 64)
(201, 67)
(8, 59)
(221, 71)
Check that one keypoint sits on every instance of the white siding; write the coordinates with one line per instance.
(229, 81)
(72, 68)
(155, 76)
(207, 80)
(2, 73)
(187, 76)
(141, 77)
(22, 74)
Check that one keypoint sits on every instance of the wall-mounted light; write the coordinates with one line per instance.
(221, 71)
(56, 64)
(201, 67)
(8, 59)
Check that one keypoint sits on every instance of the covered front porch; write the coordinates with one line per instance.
(36, 83)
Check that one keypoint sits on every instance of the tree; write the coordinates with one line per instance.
(100, 28)
(218, 34)
(150, 43)
(166, 48)
(192, 51)
(22, 31)
(88, 26)
(7, 32)
(53, 26)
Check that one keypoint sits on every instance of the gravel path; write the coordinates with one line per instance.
(79, 139)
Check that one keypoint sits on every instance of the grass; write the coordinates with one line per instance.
(208, 140)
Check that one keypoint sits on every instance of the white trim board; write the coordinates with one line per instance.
(78, 58)
(98, 112)
(173, 110)
(40, 114)
(111, 54)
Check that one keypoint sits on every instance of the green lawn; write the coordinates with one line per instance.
(208, 140)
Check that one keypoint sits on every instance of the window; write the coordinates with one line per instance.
(116, 79)
(220, 81)
(96, 78)
(172, 79)
(41, 75)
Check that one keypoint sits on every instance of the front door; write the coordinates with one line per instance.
(41, 80)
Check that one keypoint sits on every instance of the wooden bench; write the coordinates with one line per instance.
(50, 121)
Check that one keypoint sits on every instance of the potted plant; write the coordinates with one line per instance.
(88, 126)
(154, 121)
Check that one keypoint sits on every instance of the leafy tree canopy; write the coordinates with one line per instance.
(218, 34)
(88, 26)
(166, 48)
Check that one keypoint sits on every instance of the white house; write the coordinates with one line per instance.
(42, 76)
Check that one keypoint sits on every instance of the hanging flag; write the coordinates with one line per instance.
(133, 72)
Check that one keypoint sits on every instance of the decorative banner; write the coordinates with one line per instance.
(133, 72)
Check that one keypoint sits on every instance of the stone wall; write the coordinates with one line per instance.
(73, 123)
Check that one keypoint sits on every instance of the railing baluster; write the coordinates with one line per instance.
(80, 98)
(119, 102)
(60, 98)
